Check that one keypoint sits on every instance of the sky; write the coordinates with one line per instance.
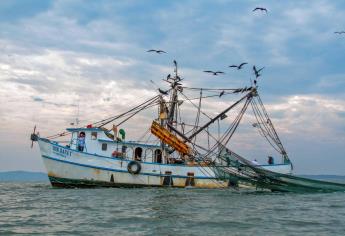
(61, 55)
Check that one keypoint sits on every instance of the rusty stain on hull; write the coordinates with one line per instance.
(52, 174)
(96, 171)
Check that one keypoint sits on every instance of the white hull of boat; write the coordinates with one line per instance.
(70, 168)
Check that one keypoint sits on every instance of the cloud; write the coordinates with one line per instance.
(37, 99)
(43, 101)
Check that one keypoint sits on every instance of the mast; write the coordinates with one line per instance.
(167, 113)
(174, 97)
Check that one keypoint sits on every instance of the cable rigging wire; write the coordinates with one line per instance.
(147, 104)
(266, 128)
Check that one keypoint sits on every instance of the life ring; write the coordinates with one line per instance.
(134, 167)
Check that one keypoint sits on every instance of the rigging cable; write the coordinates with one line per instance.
(153, 103)
(231, 130)
(197, 119)
(265, 130)
(131, 112)
(110, 119)
(271, 124)
(189, 100)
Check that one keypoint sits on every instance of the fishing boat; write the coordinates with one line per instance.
(177, 154)
(108, 159)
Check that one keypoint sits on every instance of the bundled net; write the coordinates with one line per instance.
(238, 170)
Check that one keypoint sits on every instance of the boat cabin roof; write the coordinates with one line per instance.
(130, 143)
(84, 129)
(107, 140)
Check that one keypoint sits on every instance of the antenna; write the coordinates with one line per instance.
(175, 70)
(77, 118)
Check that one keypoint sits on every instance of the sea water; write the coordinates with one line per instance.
(39, 209)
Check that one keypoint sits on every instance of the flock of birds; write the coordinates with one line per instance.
(256, 72)
(238, 67)
(215, 73)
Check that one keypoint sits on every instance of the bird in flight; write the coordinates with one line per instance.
(163, 92)
(221, 93)
(261, 9)
(157, 51)
(239, 67)
(214, 72)
(223, 116)
(339, 32)
(256, 71)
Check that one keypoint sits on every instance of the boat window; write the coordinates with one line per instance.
(93, 135)
(124, 149)
(129, 152)
(104, 146)
(158, 156)
(138, 153)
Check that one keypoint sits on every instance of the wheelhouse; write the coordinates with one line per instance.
(98, 142)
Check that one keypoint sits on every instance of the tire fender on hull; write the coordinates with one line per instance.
(134, 167)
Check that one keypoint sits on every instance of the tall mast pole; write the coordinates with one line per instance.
(174, 98)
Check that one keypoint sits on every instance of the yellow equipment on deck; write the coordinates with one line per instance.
(167, 137)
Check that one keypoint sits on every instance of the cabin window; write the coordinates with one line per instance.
(93, 135)
(124, 149)
(129, 152)
(104, 146)
(158, 156)
(138, 153)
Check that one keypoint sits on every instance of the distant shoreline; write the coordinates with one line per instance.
(30, 176)
(23, 176)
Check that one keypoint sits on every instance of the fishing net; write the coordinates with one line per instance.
(240, 171)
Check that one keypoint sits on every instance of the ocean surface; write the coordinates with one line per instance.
(39, 209)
